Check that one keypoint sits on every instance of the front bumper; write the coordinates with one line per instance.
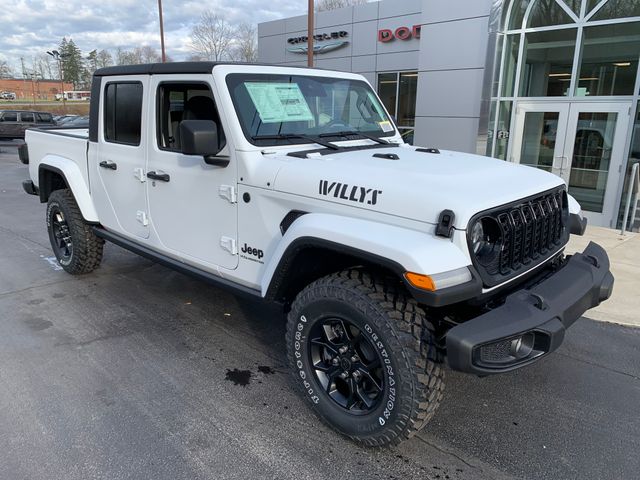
(531, 322)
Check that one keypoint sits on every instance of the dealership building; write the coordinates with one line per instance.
(549, 83)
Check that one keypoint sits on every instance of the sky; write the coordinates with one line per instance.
(32, 27)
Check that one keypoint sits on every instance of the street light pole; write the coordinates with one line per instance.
(33, 88)
(164, 56)
(310, 21)
(57, 56)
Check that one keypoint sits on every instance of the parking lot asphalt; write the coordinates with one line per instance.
(135, 371)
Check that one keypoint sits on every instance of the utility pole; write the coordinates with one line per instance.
(164, 56)
(310, 21)
(33, 88)
(24, 76)
(59, 56)
(33, 75)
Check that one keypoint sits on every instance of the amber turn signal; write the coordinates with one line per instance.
(423, 282)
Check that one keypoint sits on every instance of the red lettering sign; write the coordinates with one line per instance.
(385, 35)
(401, 33)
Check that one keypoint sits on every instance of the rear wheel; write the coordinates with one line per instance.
(75, 245)
(364, 354)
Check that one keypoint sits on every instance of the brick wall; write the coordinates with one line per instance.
(24, 89)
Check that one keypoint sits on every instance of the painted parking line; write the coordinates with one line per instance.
(52, 261)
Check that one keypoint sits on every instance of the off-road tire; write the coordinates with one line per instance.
(86, 253)
(395, 324)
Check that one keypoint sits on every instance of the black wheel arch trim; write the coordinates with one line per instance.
(44, 190)
(439, 298)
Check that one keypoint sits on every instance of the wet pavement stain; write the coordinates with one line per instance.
(36, 301)
(38, 324)
(238, 377)
(266, 369)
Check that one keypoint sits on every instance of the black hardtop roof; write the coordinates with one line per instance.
(170, 67)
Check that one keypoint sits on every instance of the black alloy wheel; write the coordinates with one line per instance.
(62, 242)
(347, 365)
(73, 240)
(364, 355)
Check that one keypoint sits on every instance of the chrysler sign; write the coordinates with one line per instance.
(326, 42)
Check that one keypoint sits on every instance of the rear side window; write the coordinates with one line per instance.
(10, 117)
(123, 112)
(27, 117)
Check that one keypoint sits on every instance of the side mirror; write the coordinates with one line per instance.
(200, 137)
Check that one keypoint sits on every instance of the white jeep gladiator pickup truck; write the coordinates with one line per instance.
(294, 185)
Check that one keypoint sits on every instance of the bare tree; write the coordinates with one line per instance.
(323, 5)
(245, 47)
(125, 57)
(147, 54)
(43, 66)
(212, 37)
(104, 59)
(5, 69)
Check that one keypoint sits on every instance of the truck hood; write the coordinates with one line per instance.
(410, 183)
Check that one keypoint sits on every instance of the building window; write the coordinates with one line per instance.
(547, 63)
(562, 49)
(397, 90)
(609, 60)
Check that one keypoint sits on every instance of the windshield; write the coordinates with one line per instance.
(282, 109)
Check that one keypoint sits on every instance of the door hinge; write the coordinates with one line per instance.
(142, 217)
(229, 192)
(139, 174)
(229, 244)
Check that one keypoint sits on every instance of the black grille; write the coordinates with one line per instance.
(531, 231)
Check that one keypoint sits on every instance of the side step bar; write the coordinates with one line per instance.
(181, 267)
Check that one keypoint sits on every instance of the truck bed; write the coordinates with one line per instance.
(57, 143)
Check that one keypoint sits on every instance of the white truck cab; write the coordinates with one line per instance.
(294, 185)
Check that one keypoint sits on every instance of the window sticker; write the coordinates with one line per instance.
(386, 126)
(279, 102)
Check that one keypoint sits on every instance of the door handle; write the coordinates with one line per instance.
(163, 177)
(109, 165)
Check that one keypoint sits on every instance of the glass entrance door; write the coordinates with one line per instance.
(581, 142)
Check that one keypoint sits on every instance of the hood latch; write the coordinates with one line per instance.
(445, 224)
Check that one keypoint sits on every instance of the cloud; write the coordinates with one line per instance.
(31, 27)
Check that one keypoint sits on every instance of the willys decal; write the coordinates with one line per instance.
(345, 191)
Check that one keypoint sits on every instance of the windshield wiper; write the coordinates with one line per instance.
(288, 136)
(349, 133)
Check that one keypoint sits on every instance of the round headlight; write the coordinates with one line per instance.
(477, 236)
(485, 239)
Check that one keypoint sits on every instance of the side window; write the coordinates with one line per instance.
(123, 112)
(10, 117)
(44, 118)
(27, 117)
(183, 101)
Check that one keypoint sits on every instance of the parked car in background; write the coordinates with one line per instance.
(77, 122)
(13, 123)
(62, 119)
(7, 95)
